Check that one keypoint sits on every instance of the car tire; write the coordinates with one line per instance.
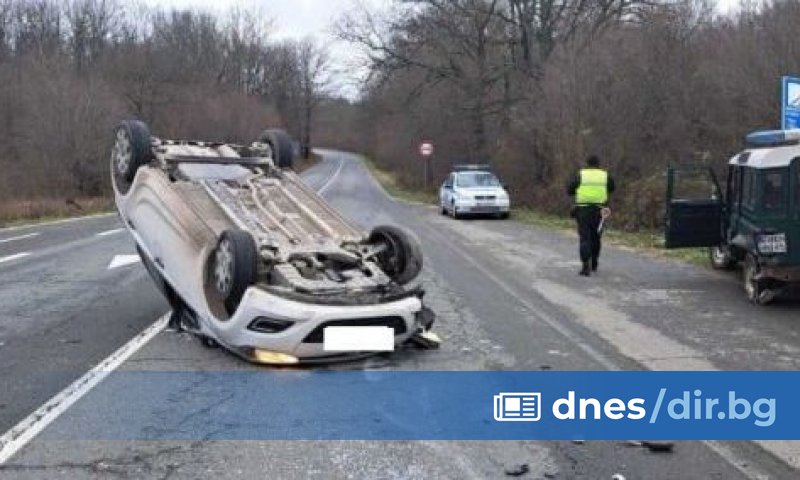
(721, 257)
(401, 260)
(504, 215)
(281, 145)
(132, 149)
(233, 267)
(756, 290)
(453, 211)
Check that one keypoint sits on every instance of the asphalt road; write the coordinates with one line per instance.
(507, 298)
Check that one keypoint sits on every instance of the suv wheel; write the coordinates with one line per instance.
(756, 289)
(721, 257)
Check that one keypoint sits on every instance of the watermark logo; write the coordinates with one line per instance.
(517, 407)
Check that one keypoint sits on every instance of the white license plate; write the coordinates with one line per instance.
(772, 243)
(358, 339)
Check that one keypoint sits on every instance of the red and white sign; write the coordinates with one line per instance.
(426, 149)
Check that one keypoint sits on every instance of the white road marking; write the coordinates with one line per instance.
(19, 237)
(333, 177)
(23, 432)
(16, 256)
(56, 222)
(26, 430)
(110, 232)
(123, 260)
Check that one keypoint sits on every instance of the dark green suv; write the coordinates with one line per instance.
(754, 221)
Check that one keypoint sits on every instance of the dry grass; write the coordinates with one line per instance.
(14, 212)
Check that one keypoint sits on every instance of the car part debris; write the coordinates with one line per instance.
(659, 446)
(518, 470)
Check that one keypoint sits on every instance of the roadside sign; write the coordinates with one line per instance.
(426, 149)
(790, 103)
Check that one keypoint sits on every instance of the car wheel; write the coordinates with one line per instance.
(401, 258)
(281, 145)
(721, 257)
(504, 215)
(233, 267)
(453, 210)
(756, 289)
(132, 149)
(443, 210)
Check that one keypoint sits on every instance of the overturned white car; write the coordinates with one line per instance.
(253, 259)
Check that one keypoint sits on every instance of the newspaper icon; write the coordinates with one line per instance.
(517, 407)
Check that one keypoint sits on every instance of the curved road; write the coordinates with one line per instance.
(507, 297)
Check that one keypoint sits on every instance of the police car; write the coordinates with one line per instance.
(754, 221)
(473, 190)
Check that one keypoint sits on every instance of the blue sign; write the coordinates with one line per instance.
(790, 103)
(405, 405)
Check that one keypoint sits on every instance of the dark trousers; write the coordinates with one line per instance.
(588, 218)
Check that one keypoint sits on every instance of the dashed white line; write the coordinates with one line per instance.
(25, 431)
(122, 261)
(16, 256)
(19, 237)
(22, 433)
(333, 177)
(110, 232)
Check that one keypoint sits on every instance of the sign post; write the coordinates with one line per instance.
(426, 150)
(790, 103)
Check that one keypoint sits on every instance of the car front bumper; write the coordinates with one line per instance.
(481, 207)
(303, 339)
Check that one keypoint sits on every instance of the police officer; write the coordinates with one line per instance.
(591, 188)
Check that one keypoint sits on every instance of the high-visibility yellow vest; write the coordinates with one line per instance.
(593, 189)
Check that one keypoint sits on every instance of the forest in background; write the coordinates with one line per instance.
(530, 86)
(534, 86)
(71, 70)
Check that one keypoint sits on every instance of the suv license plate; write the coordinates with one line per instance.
(772, 243)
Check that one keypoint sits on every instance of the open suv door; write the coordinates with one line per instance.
(694, 208)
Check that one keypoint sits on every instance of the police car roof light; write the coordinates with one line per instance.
(772, 138)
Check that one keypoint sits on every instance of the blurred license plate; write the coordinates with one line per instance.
(358, 339)
(772, 243)
(485, 203)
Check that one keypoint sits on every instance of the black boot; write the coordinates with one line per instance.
(594, 264)
(585, 270)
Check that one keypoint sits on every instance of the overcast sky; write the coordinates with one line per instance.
(298, 19)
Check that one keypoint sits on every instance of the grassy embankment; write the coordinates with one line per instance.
(22, 212)
(651, 242)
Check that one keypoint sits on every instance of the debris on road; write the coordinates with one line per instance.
(518, 470)
(659, 446)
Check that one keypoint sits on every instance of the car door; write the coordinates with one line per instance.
(446, 192)
(694, 216)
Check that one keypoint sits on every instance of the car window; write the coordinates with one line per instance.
(749, 189)
(774, 188)
(796, 163)
(477, 179)
(734, 181)
(693, 184)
